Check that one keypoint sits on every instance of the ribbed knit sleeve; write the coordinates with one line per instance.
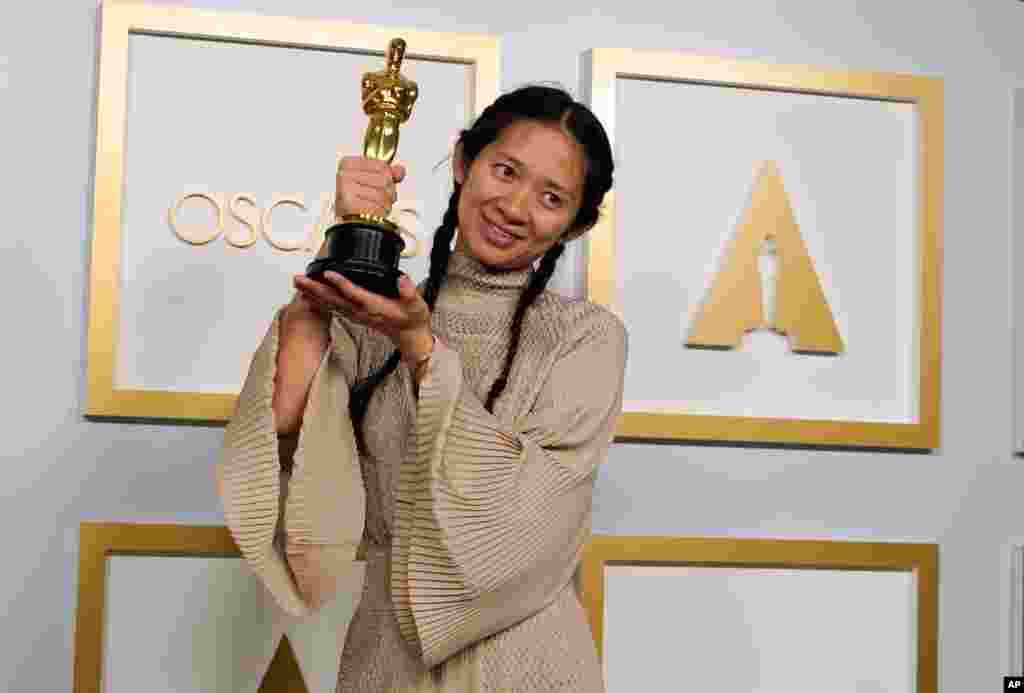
(491, 519)
(317, 513)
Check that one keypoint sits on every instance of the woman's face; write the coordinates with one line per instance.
(520, 194)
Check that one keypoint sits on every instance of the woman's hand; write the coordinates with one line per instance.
(405, 320)
(369, 186)
(366, 186)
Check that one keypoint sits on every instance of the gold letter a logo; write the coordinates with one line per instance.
(735, 304)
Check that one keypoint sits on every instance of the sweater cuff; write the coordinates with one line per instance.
(248, 477)
(438, 393)
(324, 511)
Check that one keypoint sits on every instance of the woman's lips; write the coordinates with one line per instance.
(496, 237)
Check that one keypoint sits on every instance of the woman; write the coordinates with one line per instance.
(456, 431)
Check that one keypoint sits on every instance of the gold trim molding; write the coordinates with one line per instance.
(604, 67)
(98, 541)
(920, 559)
(119, 19)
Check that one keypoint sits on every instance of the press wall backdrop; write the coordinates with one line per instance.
(61, 469)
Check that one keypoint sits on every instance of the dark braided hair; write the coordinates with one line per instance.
(538, 281)
(539, 103)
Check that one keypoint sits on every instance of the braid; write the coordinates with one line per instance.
(442, 249)
(537, 284)
(362, 391)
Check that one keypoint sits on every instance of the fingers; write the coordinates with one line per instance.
(391, 317)
(337, 294)
(366, 186)
(362, 163)
(324, 297)
(362, 301)
(368, 198)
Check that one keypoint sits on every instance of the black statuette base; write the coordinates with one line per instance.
(365, 254)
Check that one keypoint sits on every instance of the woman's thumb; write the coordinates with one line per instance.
(406, 288)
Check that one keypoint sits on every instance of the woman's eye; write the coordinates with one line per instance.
(552, 200)
(504, 171)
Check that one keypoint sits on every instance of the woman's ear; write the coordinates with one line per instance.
(459, 165)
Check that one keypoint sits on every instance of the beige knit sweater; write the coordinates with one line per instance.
(473, 521)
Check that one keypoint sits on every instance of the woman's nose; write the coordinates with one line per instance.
(513, 204)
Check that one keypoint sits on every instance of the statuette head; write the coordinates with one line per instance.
(387, 92)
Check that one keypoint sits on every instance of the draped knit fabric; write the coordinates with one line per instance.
(472, 522)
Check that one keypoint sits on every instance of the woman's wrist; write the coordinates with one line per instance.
(300, 316)
(416, 347)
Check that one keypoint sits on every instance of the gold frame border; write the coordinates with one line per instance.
(603, 66)
(921, 559)
(98, 541)
(118, 20)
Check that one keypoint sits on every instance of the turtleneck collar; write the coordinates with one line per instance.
(466, 272)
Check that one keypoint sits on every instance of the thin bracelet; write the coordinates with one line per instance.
(423, 360)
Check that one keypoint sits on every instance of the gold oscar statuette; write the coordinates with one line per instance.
(364, 248)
